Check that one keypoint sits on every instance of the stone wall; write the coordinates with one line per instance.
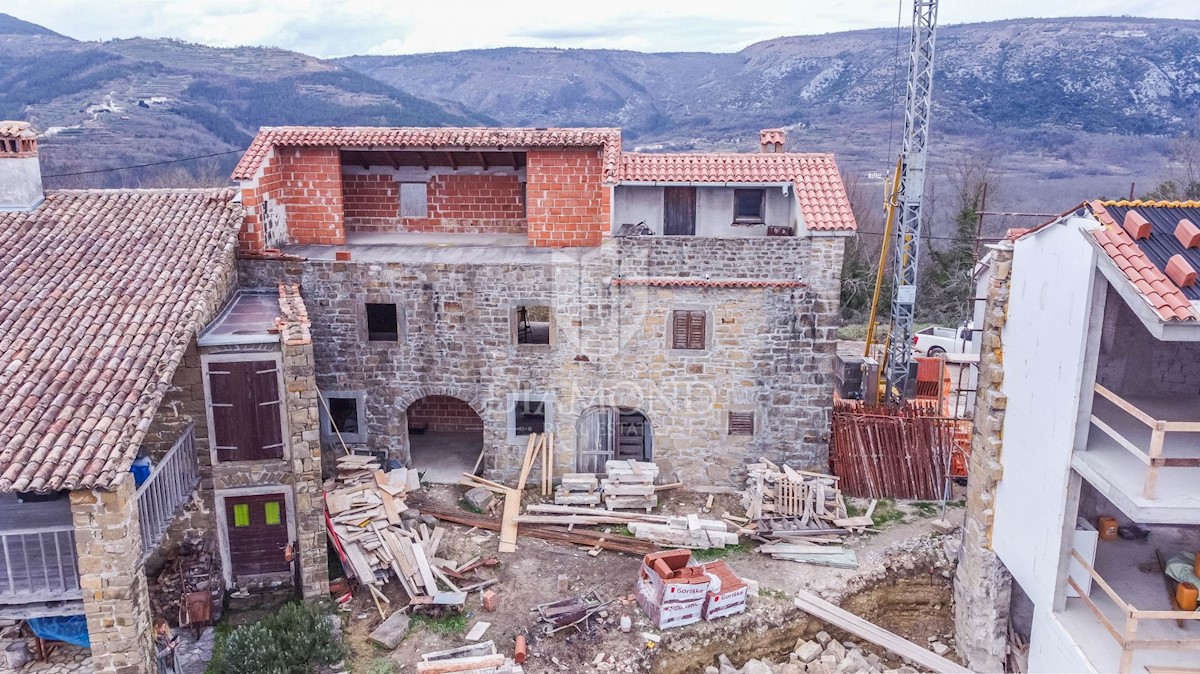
(769, 350)
(982, 586)
(108, 542)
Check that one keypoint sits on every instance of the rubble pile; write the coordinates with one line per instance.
(820, 655)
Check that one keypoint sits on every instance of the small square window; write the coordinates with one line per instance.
(241, 515)
(530, 417)
(271, 512)
(383, 323)
(533, 324)
(688, 329)
(749, 206)
(741, 423)
(414, 200)
(343, 415)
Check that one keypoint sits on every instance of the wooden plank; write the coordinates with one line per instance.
(423, 567)
(531, 449)
(1120, 439)
(478, 631)
(389, 508)
(460, 664)
(545, 532)
(814, 605)
(1127, 406)
(508, 521)
(1112, 594)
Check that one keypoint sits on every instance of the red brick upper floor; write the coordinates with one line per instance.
(535, 187)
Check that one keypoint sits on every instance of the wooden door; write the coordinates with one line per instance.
(246, 407)
(679, 211)
(605, 433)
(258, 534)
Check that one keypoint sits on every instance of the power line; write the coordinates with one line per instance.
(136, 166)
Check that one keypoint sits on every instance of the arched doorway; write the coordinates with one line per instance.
(604, 433)
(445, 437)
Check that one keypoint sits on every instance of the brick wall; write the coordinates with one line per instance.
(569, 205)
(457, 203)
(444, 413)
(297, 199)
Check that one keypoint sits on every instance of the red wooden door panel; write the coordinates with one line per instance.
(246, 410)
(258, 533)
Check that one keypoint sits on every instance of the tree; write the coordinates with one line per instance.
(1184, 184)
(947, 284)
(861, 258)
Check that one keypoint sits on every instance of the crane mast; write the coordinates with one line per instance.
(908, 199)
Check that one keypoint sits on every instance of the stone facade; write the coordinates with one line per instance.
(108, 543)
(982, 586)
(769, 347)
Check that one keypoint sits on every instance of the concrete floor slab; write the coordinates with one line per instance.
(443, 456)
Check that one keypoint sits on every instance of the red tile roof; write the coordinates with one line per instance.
(819, 187)
(100, 294)
(382, 137)
(1164, 296)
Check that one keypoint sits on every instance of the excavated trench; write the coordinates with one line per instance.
(915, 606)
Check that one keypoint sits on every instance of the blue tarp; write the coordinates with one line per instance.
(72, 629)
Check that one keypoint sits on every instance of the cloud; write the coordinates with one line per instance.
(327, 28)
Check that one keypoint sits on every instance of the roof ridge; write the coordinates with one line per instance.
(1161, 203)
(144, 190)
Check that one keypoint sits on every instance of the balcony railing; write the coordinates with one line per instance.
(166, 490)
(1126, 634)
(1153, 456)
(38, 565)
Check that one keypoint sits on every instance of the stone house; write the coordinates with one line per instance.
(1085, 466)
(105, 296)
(467, 287)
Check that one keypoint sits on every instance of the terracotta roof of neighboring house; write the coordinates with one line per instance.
(17, 130)
(1137, 259)
(100, 293)
(819, 187)
(382, 137)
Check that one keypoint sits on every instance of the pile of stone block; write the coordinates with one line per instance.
(820, 655)
(479, 658)
(630, 484)
(578, 489)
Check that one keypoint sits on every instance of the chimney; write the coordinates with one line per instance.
(20, 172)
(770, 140)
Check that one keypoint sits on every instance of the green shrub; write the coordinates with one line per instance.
(294, 640)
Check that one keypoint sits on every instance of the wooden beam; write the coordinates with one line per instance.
(395, 162)
(482, 160)
(814, 605)
(453, 161)
(424, 160)
(1127, 406)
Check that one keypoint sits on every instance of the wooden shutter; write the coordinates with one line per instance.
(267, 407)
(246, 410)
(687, 329)
(679, 211)
(741, 423)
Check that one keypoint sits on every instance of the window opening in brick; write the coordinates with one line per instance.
(741, 423)
(343, 414)
(687, 329)
(414, 200)
(383, 324)
(533, 324)
(530, 417)
(749, 206)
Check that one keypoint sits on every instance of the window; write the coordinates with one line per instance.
(383, 323)
(687, 329)
(529, 413)
(271, 512)
(246, 407)
(741, 423)
(241, 515)
(344, 414)
(533, 324)
(749, 206)
(414, 200)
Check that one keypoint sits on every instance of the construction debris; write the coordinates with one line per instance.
(800, 515)
(583, 537)
(686, 532)
(364, 506)
(480, 658)
(391, 632)
(630, 484)
(571, 612)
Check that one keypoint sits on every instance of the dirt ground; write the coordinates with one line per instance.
(905, 550)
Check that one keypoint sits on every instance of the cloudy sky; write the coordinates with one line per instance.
(329, 28)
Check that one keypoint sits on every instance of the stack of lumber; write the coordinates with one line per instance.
(364, 506)
(578, 489)
(479, 658)
(800, 515)
(539, 450)
(630, 484)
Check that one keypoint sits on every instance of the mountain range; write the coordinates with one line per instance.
(1079, 106)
